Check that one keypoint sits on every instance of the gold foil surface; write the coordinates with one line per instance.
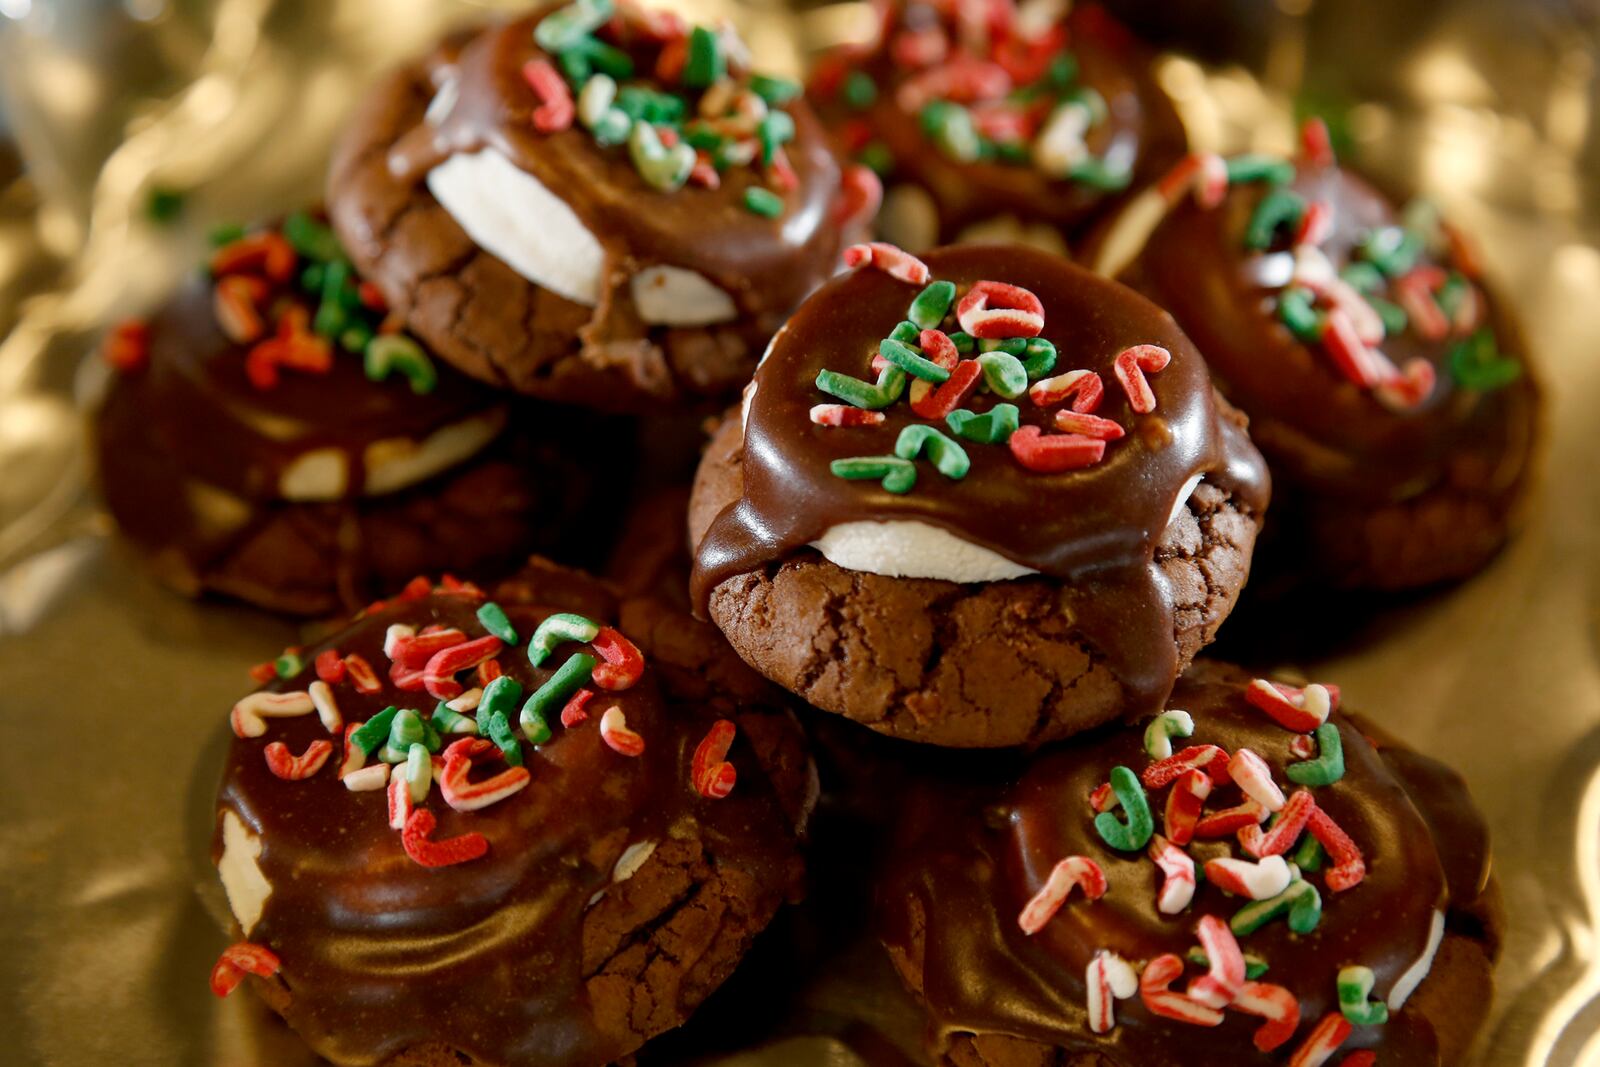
(113, 691)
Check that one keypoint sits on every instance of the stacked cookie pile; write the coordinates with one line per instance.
(969, 496)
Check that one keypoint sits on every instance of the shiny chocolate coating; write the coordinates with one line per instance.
(972, 854)
(488, 957)
(1094, 529)
(765, 264)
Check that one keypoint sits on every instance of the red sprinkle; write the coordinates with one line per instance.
(1088, 425)
(1284, 833)
(240, 959)
(354, 759)
(1414, 292)
(1348, 352)
(1316, 225)
(556, 109)
(487, 672)
(1218, 987)
(127, 347)
(284, 764)
(1051, 455)
(704, 173)
(417, 839)
(938, 347)
(1316, 146)
(1083, 387)
(1274, 1003)
(895, 262)
(1211, 758)
(860, 196)
(417, 588)
(1406, 390)
(440, 678)
(709, 771)
(399, 802)
(371, 297)
(415, 650)
(622, 664)
(1349, 866)
(1131, 365)
(951, 393)
(1364, 1058)
(845, 415)
(268, 252)
(573, 712)
(994, 310)
(262, 673)
(1286, 704)
(615, 733)
(1079, 871)
(1184, 805)
(1160, 973)
(1323, 1041)
(361, 674)
(234, 302)
(672, 59)
(1232, 820)
(330, 668)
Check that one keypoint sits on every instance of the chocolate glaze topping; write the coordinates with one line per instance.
(973, 853)
(1141, 126)
(1094, 529)
(1319, 431)
(764, 264)
(198, 402)
(488, 957)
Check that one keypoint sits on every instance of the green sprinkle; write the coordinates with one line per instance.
(931, 305)
(1134, 834)
(911, 360)
(1016, 153)
(965, 342)
(372, 733)
(1476, 363)
(949, 458)
(562, 28)
(1258, 168)
(418, 773)
(859, 91)
(706, 63)
(430, 736)
(763, 202)
(555, 630)
(1280, 207)
(663, 168)
(397, 352)
(452, 722)
(875, 155)
(891, 385)
(702, 136)
(1364, 278)
(1393, 315)
(1254, 966)
(1039, 358)
(493, 618)
(311, 238)
(612, 129)
(906, 332)
(592, 56)
(1100, 175)
(225, 234)
(288, 665)
(575, 66)
(567, 679)
(1393, 250)
(406, 730)
(595, 99)
(356, 337)
(501, 694)
(330, 317)
(898, 475)
(1004, 374)
(993, 427)
(952, 130)
(1300, 902)
(775, 91)
(1062, 72)
(1298, 311)
(1328, 767)
(311, 278)
(1011, 346)
(775, 130)
(1455, 289)
(1354, 985)
(498, 727)
(163, 205)
(1308, 857)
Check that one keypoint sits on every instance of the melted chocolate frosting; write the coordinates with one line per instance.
(973, 852)
(1095, 529)
(197, 401)
(765, 264)
(1141, 126)
(1320, 432)
(380, 954)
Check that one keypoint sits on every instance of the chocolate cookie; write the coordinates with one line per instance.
(991, 123)
(946, 565)
(549, 886)
(1387, 384)
(626, 231)
(267, 438)
(1115, 903)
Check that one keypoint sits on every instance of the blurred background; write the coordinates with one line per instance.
(128, 128)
